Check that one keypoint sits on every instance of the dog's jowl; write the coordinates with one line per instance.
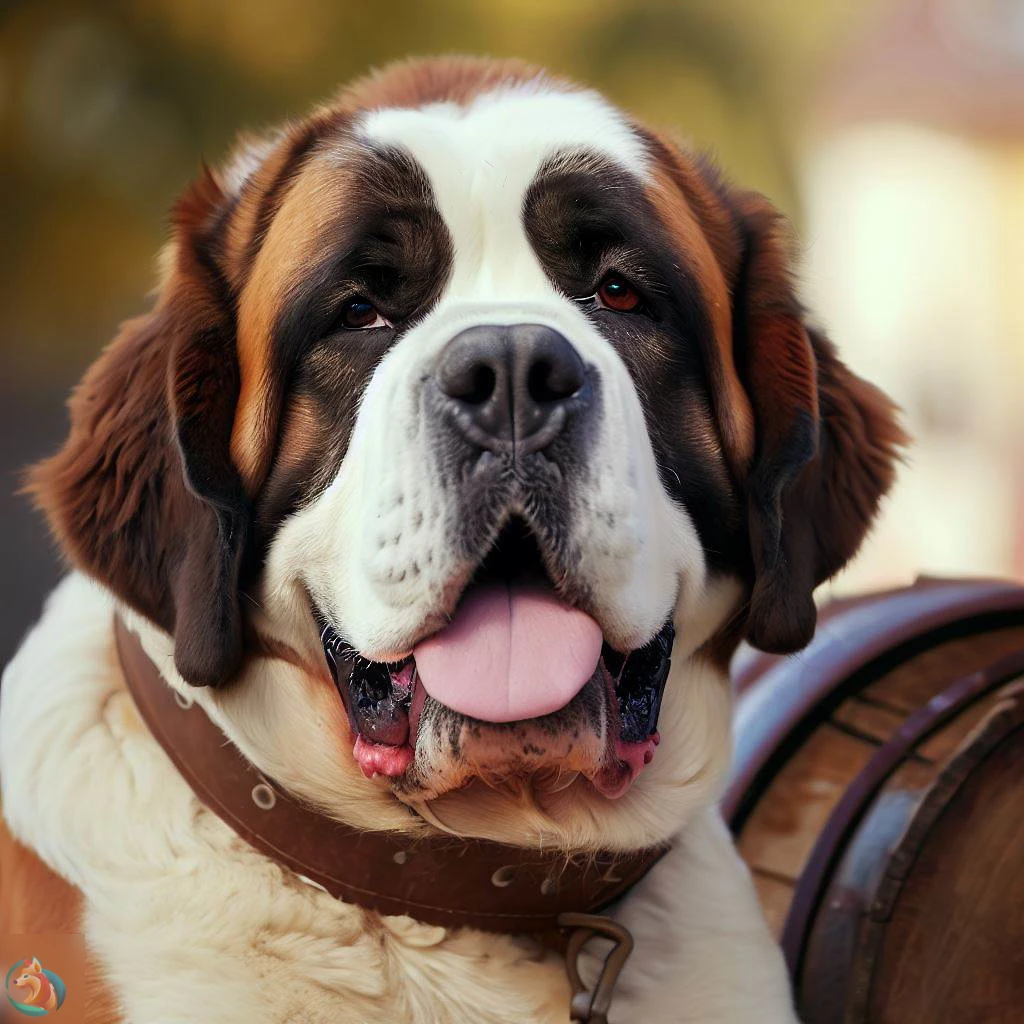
(473, 426)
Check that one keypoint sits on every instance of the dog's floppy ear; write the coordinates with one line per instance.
(826, 440)
(144, 496)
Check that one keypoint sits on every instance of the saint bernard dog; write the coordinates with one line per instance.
(473, 426)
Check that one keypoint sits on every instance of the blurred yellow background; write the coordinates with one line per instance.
(891, 132)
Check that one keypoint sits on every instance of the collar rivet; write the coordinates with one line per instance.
(263, 796)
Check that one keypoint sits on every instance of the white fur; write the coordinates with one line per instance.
(191, 924)
(245, 161)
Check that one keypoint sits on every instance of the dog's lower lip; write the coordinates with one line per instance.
(378, 695)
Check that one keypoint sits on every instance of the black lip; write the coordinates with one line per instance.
(377, 709)
(640, 684)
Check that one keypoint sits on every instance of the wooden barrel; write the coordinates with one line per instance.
(878, 797)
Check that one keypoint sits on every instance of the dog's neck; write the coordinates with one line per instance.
(474, 883)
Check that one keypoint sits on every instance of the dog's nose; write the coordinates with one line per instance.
(511, 385)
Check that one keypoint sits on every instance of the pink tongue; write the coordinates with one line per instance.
(511, 652)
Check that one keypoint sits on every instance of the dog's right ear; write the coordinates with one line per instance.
(144, 496)
(827, 441)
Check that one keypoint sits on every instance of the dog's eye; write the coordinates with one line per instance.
(359, 314)
(616, 293)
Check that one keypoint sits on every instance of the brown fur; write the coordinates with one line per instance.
(35, 900)
(257, 203)
(315, 199)
(32, 897)
(415, 83)
(143, 495)
(812, 444)
(827, 440)
(732, 405)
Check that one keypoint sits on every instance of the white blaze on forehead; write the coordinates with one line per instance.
(481, 159)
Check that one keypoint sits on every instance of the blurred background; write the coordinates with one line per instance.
(892, 132)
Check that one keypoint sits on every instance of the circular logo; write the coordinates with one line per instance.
(33, 990)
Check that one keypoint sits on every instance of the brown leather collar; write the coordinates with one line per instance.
(439, 880)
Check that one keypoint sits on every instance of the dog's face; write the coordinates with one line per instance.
(471, 408)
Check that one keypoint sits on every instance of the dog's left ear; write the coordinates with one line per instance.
(144, 495)
(826, 441)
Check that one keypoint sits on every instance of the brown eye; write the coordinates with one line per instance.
(358, 313)
(617, 293)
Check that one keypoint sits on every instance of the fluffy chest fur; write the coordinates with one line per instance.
(188, 922)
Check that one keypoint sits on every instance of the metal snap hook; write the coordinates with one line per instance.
(591, 1007)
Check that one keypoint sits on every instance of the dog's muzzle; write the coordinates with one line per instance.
(512, 676)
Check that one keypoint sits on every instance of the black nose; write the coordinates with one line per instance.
(511, 385)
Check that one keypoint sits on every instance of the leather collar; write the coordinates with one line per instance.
(437, 879)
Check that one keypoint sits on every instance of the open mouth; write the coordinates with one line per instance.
(514, 652)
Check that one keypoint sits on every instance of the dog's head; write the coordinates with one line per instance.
(475, 404)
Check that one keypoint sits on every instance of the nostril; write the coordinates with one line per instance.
(480, 384)
(554, 380)
(472, 383)
(540, 385)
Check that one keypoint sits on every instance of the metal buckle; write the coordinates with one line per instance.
(592, 1007)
